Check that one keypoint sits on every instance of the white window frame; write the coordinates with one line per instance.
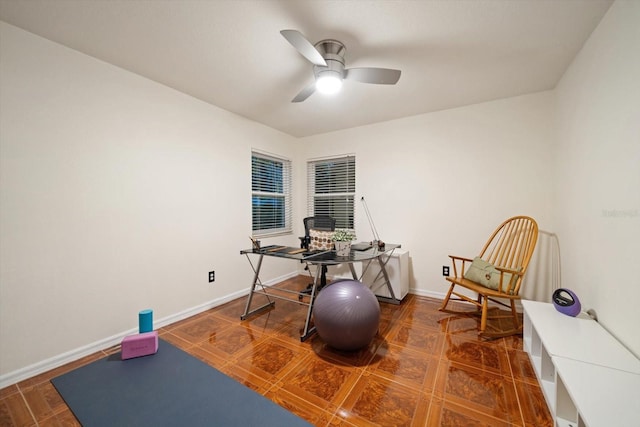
(280, 224)
(335, 195)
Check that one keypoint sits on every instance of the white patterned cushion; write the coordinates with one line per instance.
(320, 240)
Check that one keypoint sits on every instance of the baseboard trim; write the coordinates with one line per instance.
(430, 294)
(105, 343)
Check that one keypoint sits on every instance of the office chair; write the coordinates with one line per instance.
(320, 223)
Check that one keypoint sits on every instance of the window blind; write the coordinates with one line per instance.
(331, 189)
(270, 194)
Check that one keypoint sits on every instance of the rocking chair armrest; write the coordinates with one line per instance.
(463, 260)
(455, 257)
(510, 271)
(508, 283)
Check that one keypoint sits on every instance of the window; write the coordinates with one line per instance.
(332, 189)
(270, 194)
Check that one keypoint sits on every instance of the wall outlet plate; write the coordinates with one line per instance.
(445, 270)
(212, 276)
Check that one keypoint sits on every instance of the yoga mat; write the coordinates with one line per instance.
(169, 388)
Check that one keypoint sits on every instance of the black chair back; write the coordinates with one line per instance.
(319, 222)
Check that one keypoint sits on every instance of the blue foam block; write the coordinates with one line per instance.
(145, 321)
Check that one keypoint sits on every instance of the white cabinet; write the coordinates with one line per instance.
(588, 378)
(398, 271)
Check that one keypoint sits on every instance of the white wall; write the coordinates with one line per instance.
(440, 183)
(116, 194)
(598, 172)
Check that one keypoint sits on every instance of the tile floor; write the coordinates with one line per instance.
(424, 368)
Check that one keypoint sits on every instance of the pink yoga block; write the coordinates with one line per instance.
(140, 345)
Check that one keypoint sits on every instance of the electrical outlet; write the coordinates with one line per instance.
(212, 276)
(445, 270)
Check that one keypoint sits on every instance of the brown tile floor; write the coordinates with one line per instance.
(424, 368)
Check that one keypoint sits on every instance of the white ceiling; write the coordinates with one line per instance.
(230, 53)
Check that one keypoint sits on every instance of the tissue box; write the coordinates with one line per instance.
(139, 345)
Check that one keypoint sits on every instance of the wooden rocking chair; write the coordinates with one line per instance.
(497, 272)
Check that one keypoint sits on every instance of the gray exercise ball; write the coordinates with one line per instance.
(346, 315)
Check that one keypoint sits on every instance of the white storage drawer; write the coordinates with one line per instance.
(398, 270)
(588, 378)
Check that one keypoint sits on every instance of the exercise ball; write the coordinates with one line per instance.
(346, 315)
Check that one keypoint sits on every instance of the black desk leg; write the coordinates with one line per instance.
(383, 269)
(256, 280)
(308, 331)
(353, 272)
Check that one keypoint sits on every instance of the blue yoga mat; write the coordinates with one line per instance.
(169, 388)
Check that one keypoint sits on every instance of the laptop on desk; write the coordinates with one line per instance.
(363, 246)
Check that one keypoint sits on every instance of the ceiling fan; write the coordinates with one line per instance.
(327, 57)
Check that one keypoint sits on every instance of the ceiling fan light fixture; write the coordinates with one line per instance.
(327, 57)
(329, 82)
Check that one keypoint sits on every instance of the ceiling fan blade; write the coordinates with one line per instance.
(305, 93)
(304, 46)
(380, 76)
